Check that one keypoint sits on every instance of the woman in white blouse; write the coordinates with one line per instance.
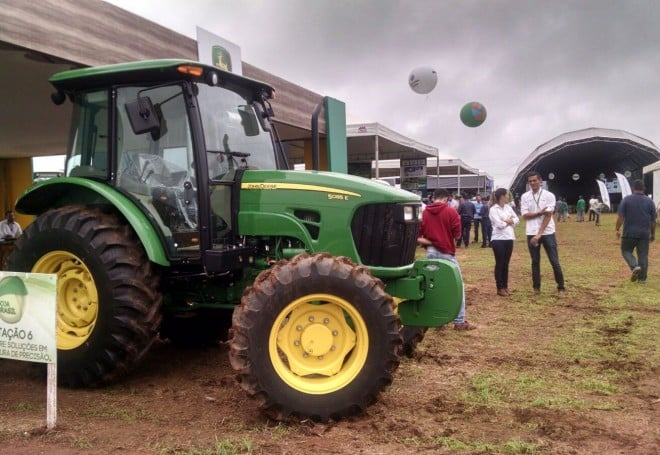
(503, 218)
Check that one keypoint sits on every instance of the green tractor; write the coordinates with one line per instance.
(179, 217)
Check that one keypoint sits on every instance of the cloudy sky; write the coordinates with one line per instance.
(541, 67)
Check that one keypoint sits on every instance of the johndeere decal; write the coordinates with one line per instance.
(221, 58)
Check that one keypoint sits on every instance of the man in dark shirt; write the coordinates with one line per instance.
(466, 212)
(637, 215)
(486, 227)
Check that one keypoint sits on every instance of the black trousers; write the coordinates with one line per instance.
(502, 249)
(466, 225)
(486, 231)
(477, 223)
(549, 243)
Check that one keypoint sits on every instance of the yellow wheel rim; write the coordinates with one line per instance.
(318, 344)
(77, 297)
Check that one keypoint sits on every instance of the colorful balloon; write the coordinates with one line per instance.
(473, 114)
(423, 80)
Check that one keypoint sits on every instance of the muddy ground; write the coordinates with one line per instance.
(186, 401)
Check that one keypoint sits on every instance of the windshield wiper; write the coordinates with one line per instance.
(230, 153)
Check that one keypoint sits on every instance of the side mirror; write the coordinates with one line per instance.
(249, 121)
(143, 116)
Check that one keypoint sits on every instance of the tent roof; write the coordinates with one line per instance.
(391, 145)
(588, 153)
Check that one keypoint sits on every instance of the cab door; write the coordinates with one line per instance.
(157, 167)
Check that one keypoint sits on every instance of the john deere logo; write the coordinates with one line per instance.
(12, 299)
(221, 58)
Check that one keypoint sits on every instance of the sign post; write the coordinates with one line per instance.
(28, 305)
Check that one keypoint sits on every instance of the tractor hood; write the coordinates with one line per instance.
(333, 186)
(369, 222)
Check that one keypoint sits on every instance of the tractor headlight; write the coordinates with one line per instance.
(408, 213)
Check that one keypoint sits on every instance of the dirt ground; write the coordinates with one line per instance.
(186, 401)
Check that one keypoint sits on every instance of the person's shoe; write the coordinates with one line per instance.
(502, 292)
(561, 292)
(464, 326)
(635, 273)
(537, 291)
(483, 245)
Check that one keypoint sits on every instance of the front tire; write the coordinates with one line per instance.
(107, 302)
(316, 337)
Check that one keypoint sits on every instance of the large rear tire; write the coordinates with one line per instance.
(108, 306)
(316, 337)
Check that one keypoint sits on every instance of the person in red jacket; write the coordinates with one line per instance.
(440, 228)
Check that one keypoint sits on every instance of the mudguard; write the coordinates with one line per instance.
(61, 191)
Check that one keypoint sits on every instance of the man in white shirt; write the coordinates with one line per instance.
(9, 228)
(537, 206)
(593, 206)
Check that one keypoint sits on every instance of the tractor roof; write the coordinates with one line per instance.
(149, 72)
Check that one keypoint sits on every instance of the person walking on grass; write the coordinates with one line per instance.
(537, 206)
(637, 215)
(580, 207)
(593, 203)
(563, 209)
(486, 225)
(477, 219)
(440, 228)
(466, 211)
(503, 219)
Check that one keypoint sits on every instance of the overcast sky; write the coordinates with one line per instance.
(541, 67)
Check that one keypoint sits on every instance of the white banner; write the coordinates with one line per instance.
(604, 195)
(623, 184)
(27, 316)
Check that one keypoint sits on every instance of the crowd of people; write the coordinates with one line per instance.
(447, 224)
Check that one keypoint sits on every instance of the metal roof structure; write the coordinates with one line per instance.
(373, 141)
(571, 162)
(369, 142)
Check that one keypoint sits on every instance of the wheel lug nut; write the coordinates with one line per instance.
(311, 319)
(298, 328)
(326, 321)
(335, 333)
(296, 343)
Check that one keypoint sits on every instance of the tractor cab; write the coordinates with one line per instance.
(175, 139)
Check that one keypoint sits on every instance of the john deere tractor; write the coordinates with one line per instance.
(178, 217)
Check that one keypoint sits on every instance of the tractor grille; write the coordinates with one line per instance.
(382, 237)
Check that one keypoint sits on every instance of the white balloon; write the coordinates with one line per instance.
(422, 80)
